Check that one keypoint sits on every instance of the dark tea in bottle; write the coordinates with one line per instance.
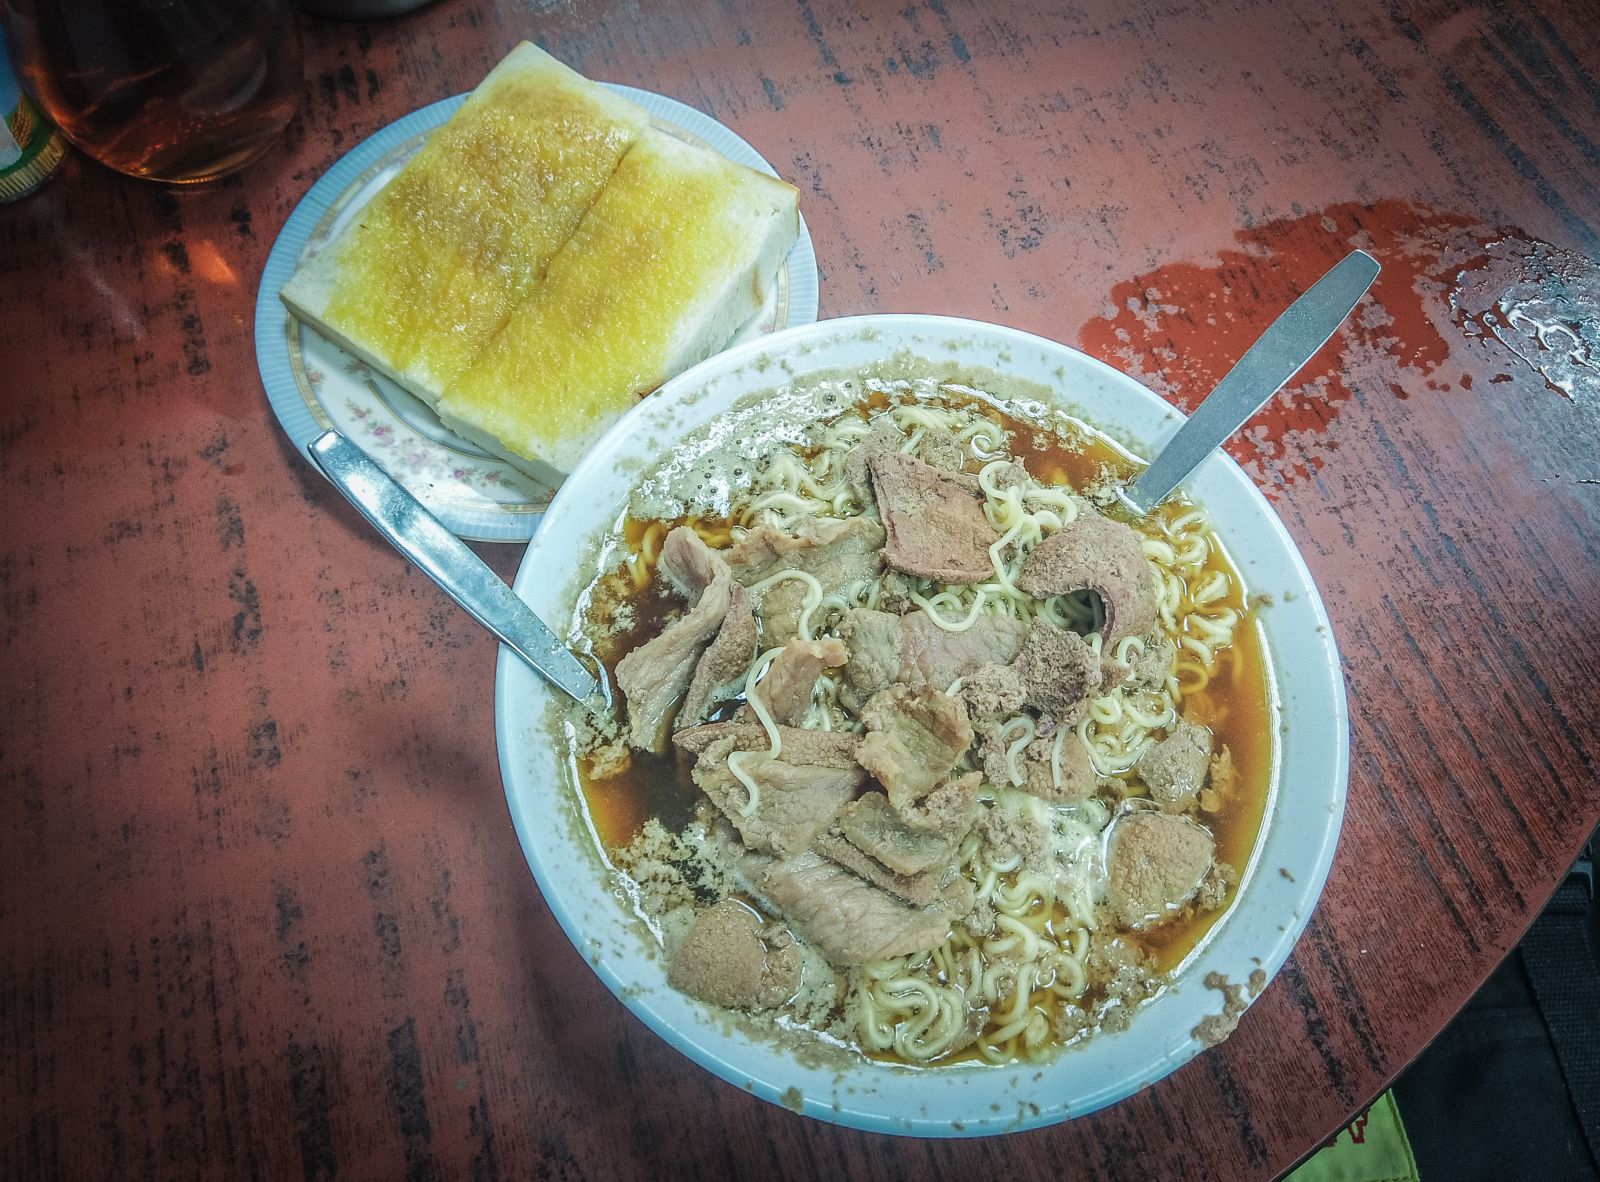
(170, 90)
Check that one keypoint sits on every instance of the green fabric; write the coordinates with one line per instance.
(1373, 1149)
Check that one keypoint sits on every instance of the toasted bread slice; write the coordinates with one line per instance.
(673, 256)
(427, 273)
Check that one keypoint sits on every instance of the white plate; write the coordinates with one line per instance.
(1280, 885)
(313, 384)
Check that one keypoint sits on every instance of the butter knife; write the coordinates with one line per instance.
(1289, 342)
(448, 561)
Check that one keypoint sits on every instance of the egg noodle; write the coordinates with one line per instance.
(1006, 991)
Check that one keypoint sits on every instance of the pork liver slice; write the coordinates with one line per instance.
(935, 527)
(1094, 553)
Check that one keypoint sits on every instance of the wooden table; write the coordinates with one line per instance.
(263, 913)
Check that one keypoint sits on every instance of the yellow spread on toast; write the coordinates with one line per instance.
(596, 334)
(465, 231)
(545, 259)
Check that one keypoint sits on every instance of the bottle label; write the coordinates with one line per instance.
(14, 122)
(30, 148)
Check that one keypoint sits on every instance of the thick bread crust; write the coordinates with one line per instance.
(527, 61)
(540, 470)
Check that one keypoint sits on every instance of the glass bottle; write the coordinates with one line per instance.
(169, 90)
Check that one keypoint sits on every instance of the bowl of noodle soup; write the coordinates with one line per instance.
(1031, 1019)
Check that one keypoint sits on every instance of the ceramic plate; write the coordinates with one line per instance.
(1280, 884)
(313, 384)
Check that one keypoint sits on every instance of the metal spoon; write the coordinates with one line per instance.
(1289, 342)
(446, 559)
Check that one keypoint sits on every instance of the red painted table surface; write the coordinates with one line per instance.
(262, 913)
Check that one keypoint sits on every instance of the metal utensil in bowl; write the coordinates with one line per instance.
(1278, 354)
(446, 559)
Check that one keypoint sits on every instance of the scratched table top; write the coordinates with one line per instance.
(262, 913)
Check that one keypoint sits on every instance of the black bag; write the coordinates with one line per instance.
(1511, 1088)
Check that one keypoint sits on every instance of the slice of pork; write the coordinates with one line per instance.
(846, 917)
(786, 689)
(654, 676)
(746, 865)
(1094, 553)
(884, 437)
(795, 801)
(817, 748)
(873, 827)
(838, 554)
(935, 526)
(917, 737)
(922, 889)
(731, 957)
(719, 674)
(1156, 863)
(930, 655)
(1175, 768)
(913, 650)
(916, 859)
(872, 640)
(942, 449)
(1060, 672)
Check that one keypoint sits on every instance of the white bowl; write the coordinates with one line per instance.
(1280, 884)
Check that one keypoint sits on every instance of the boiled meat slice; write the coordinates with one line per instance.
(795, 801)
(845, 916)
(1094, 553)
(838, 554)
(917, 737)
(720, 672)
(786, 689)
(821, 748)
(654, 677)
(935, 527)
(913, 650)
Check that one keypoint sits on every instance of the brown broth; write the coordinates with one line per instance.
(1236, 705)
(658, 786)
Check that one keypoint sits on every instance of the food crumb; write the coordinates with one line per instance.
(1236, 999)
(793, 1100)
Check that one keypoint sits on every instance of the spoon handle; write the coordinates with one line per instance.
(1289, 342)
(446, 559)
